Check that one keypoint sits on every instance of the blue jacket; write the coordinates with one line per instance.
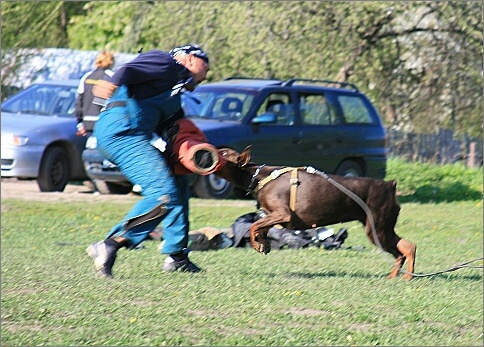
(150, 74)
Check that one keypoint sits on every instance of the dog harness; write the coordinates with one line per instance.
(294, 181)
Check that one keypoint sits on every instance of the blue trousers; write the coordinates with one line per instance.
(129, 148)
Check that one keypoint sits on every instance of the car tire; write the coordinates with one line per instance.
(349, 168)
(104, 187)
(212, 187)
(54, 170)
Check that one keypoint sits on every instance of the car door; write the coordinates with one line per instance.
(276, 142)
(325, 140)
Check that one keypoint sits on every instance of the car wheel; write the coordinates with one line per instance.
(54, 170)
(104, 187)
(349, 168)
(212, 187)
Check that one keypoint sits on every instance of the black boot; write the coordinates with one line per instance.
(103, 253)
(180, 262)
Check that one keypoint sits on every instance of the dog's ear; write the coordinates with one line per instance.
(393, 184)
(244, 157)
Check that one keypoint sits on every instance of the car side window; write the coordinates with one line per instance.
(47, 100)
(354, 110)
(316, 110)
(280, 104)
(38, 99)
(64, 103)
(229, 106)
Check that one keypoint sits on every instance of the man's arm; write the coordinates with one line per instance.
(103, 89)
(78, 107)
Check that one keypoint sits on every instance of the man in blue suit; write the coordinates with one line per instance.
(143, 97)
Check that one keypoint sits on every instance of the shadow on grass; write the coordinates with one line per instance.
(331, 274)
(442, 194)
(474, 278)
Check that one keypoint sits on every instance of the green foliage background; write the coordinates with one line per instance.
(426, 182)
(420, 62)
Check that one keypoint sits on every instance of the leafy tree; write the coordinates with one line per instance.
(32, 25)
(104, 25)
(37, 24)
(420, 62)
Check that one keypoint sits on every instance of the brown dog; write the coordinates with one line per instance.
(316, 200)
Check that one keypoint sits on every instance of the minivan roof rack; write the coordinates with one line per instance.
(291, 81)
(242, 78)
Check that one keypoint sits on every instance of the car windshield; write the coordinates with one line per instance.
(226, 104)
(43, 99)
(191, 104)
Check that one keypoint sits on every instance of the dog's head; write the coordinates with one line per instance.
(236, 169)
(232, 156)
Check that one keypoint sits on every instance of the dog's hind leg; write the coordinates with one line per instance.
(399, 261)
(409, 251)
(401, 249)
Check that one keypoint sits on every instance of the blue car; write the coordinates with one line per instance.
(39, 138)
(326, 124)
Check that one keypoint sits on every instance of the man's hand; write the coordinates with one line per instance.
(81, 130)
(104, 89)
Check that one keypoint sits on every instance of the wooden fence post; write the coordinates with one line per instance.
(471, 155)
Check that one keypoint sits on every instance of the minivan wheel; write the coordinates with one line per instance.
(349, 168)
(104, 187)
(54, 170)
(212, 187)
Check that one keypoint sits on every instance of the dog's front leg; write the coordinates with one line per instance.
(259, 230)
(259, 240)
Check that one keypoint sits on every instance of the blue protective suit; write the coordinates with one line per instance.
(123, 135)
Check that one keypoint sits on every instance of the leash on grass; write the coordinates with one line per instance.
(365, 208)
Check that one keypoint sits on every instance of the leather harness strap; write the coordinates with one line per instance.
(294, 181)
(274, 174)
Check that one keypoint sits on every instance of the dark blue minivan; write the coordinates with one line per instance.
(326, 124)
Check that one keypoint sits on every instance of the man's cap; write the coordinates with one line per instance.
(194, 49)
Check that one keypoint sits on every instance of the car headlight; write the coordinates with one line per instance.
(14, 140)
(91, 142)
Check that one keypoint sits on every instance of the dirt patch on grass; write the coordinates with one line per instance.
(11, 188)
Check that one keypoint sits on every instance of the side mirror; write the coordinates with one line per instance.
(265, 118)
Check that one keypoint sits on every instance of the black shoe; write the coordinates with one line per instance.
(337, 240)
(185, 265)
(341, 236)
(103, 256)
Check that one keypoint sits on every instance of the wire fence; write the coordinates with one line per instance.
(442, 147)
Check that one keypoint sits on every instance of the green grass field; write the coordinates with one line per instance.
(50, 295)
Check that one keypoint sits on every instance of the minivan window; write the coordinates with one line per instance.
(280, 104)
(316, 110)
(223, 105)
(354, 110)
